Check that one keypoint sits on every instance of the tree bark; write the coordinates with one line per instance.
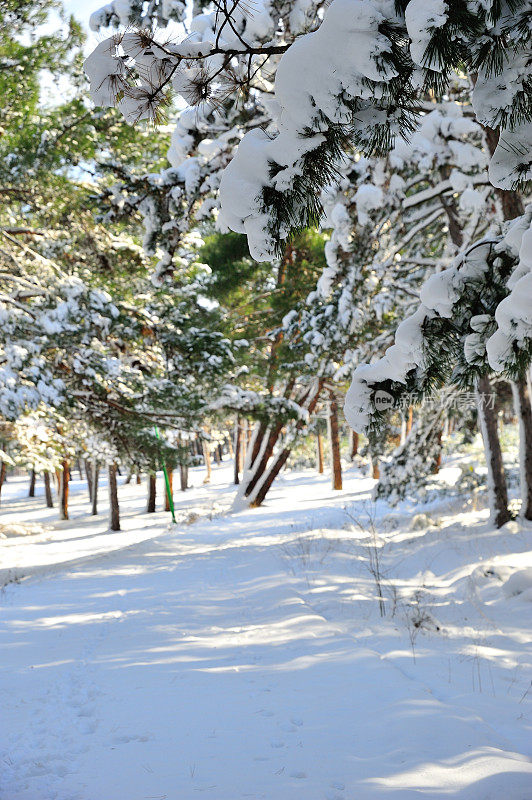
(48, 489)
(114, 509)
(260, 460)
(166, 495)
(63, 490)
(237, 451)
(207, 460)
(128, 478)
(523, 410)
(334, 442)
(243, 445)
(95, 476)
(183, 477)
(409, 420)
(263, 486)
(88, 475)
(139, 479)
(152, 493)
(497, 491)
(3, 472)
(319, 452)
(31, 490)
(353, 444)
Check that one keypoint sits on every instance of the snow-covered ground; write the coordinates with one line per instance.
(244, 655)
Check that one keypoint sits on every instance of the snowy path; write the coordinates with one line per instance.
(244, 658)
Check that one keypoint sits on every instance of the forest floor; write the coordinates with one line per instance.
(246, 654)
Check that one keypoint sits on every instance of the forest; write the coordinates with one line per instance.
(265, 399)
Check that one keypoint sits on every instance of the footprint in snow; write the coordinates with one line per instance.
(296, 721)
(87, 726)
(287, 727)
(277, 743)
(298, 774)
(126, 739)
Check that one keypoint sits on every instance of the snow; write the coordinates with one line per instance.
(306, 96)
(244, 655)
(514, 313)
(422, 17)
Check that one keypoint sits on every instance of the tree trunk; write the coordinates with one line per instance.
(262, 486)
(264, 443)
(524, 414)
(260, 460)
(88, 475)
(334, 442)
(409, 420)
(63, 490)
(48, 489)
(114, 510)
(319, 452)
(95, 476)
(207, 459)
(167, 495)
(139, 479)
(183, 477)
(152, 493)
(497, 491)
(31, 490)
(128, 478)
(3, 472)
(78, 463)
(237, 448)
(243, 445)
(353, 444)
(375, 471)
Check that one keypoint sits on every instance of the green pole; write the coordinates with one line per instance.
(166, 480)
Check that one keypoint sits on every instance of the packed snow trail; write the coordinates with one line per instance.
(211, 660)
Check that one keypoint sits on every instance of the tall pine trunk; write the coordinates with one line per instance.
(95, 476)
(139, 479)
(319, 452)
(31, 490)
(409, 420)
(63, 490)
(497, 491)
(3, 472)
(237, 451)
(114, 509)
(183, 477)
(88, 476)
(263, 485)
(48, 489)
(207, 460)
(353, 444)
(169, 494)
(152, 493)
(334, 442)
(523, 411)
